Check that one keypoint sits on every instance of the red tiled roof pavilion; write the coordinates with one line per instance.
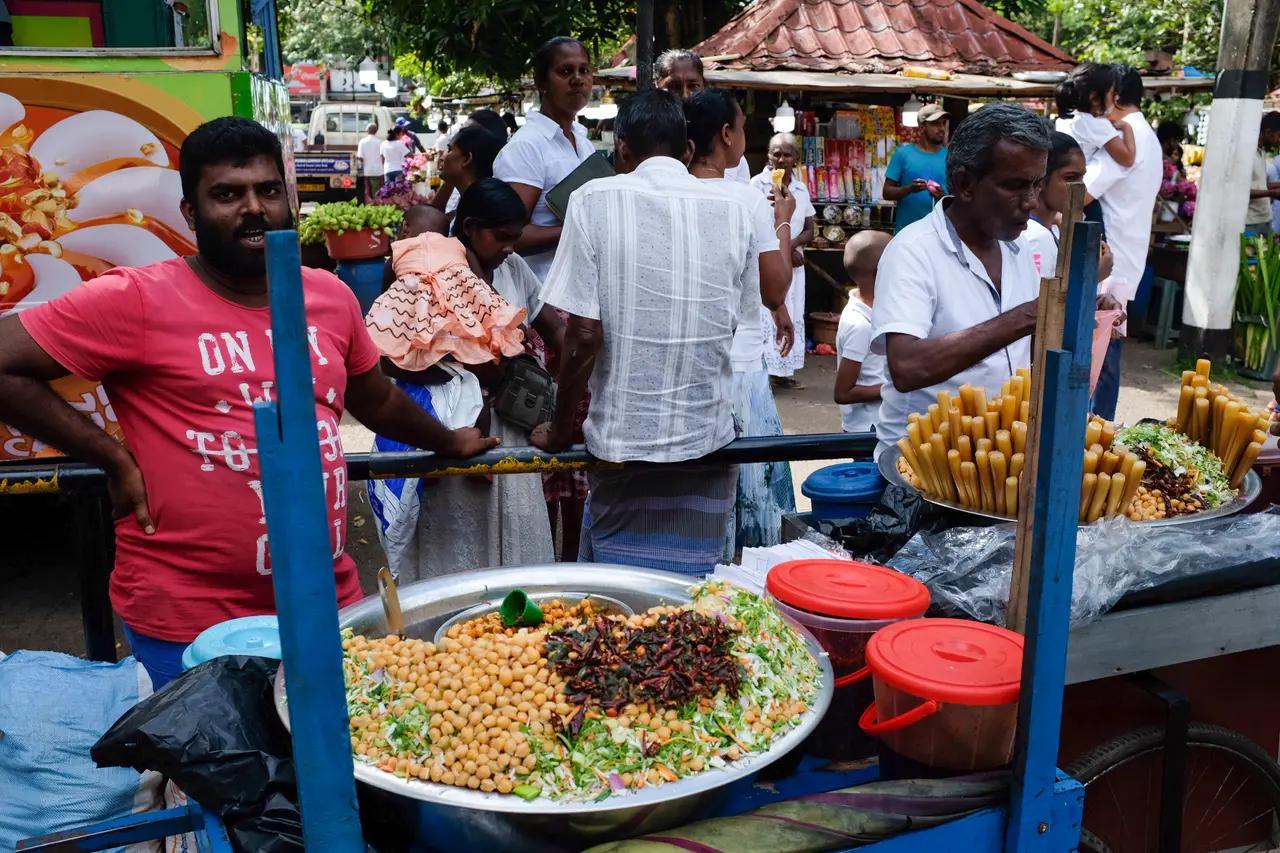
(878, 36)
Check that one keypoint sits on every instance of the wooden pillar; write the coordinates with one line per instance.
(957, 108)
(1248, 36)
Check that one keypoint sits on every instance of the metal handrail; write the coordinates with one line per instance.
(53, 477)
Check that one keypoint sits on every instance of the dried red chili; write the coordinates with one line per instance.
(611, 664)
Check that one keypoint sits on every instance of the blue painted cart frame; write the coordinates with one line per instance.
(1045, 806)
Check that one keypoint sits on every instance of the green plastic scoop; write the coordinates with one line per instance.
(518, 609)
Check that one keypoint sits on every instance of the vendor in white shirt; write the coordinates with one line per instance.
(956, 291)
(551, 144)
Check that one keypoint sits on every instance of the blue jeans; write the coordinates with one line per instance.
(160, 658)
(1108, 390)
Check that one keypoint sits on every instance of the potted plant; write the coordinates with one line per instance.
(351, 231)
(1257, 309)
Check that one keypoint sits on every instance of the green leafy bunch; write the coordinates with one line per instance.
(343, 216)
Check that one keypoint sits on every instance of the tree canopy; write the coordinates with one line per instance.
(335, 32)
(494, 38)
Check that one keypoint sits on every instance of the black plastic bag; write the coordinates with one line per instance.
(899, 515)
(214, 731)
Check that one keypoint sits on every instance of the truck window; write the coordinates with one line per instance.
(122, 25)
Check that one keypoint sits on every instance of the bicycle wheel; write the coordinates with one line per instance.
(1230, 799)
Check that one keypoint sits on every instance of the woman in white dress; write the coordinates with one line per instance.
(783, 354)
(551, 144)
(715, 122)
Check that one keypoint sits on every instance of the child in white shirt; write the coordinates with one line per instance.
(860, 372)
(1089, 94)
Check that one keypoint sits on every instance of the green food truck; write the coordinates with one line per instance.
(96, 97)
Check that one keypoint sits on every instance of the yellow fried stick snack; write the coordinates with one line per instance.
(777, 176)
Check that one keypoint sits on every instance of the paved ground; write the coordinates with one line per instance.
(40, 603)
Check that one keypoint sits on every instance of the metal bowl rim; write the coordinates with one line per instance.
(708, 780)
(1250, 490)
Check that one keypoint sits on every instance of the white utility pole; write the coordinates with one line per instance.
(1244, 59)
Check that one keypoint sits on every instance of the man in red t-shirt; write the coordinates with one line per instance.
(183, 348)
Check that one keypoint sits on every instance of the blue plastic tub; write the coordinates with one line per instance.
(847, 490)
(249, 635)
(364, 278)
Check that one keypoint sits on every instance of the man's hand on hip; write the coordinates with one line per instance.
(128, 492)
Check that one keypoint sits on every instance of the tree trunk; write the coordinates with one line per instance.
(1057, 29)
(644, 45)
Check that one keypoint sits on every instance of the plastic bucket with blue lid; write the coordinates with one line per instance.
(248, 635)
(847, 490)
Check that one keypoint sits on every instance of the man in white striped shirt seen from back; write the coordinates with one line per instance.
(654, 268)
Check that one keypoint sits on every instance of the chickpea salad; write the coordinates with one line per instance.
(587, 706)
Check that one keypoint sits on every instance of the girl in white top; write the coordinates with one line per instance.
(1065, 166)
(1089, 94)
(551, 144)
(715, 122)
(394, 152)
(782, 357)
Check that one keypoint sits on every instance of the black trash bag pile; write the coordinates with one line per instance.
(215, 733)
(899, 515)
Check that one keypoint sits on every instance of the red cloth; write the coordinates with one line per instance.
(182, 367)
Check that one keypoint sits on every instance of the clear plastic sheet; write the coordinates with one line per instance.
(967, 569)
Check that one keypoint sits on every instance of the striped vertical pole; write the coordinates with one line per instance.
(1244, 55)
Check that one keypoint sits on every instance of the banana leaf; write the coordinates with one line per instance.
(1257, 303)
(836, 820)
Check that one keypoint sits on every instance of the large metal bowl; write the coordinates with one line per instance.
(1250, 489)
(446, 817)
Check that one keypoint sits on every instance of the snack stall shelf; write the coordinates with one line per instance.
(1044, 809)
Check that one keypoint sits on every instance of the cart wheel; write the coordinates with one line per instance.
(1231, 793)
(1090, 843)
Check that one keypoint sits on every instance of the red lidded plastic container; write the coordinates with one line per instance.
(843, 603)
(946, 692)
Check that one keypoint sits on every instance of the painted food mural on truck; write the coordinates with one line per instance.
(80, 192)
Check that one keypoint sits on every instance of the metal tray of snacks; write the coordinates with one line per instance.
(472, 819)
(1250, 489)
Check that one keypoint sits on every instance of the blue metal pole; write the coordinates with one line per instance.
(302, 568)
(1032, 821)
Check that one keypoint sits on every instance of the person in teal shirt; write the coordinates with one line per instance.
(917, 175)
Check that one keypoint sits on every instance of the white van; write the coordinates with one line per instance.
(343, 125)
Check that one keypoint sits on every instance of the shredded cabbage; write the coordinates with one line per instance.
(1181, 455)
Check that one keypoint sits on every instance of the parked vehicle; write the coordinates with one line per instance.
(342, 125)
